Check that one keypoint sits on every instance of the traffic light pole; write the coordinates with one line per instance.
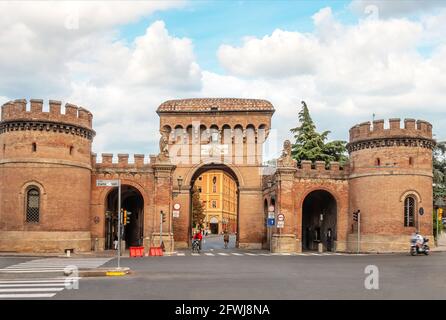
(161, 229)
(359, 231)
(438, 210)
(119, 224)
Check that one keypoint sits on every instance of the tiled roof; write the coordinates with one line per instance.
(215, 104)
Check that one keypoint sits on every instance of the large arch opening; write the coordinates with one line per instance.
(319, 212)
(217, 188)
(133, 202)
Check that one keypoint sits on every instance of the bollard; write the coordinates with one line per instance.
(320, 247)
(68, 253)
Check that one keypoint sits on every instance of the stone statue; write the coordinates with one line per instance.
(286, 158)
(164, 145)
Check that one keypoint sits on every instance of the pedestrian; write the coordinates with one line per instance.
(115, 242)
(226, 238)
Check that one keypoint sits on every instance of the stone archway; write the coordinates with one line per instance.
(319, 221)
(131, 201)
(228, 222)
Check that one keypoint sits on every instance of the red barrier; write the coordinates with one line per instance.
(136, 251)
(155, 251)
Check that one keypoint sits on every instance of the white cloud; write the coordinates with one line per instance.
(344, 72)
(386, 9)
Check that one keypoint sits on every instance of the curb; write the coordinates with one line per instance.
(113, 272)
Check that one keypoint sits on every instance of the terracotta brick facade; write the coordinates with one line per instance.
(51, 153)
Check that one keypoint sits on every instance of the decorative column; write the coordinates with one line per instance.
(163, 202)
(285, 239)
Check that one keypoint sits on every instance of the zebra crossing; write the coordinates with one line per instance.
(252, 254)
(35, 287)
(15, 282)
(49, 265)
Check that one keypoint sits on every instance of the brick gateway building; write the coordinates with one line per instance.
(49, 200)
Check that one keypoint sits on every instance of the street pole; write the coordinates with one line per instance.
(161, 228)
(438, 209)
(119, 223)
(359, 230)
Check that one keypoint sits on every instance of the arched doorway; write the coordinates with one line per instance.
(133, 202)
(217, 188)
(319, 212)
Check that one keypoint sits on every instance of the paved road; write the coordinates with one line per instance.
(257, 277)
(215, 242)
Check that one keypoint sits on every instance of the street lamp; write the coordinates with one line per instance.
(180, 184)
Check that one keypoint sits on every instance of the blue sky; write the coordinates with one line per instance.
(213, 23)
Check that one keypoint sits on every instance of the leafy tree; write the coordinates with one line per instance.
(439, 165)
(198, 215)
(439, 171)
(310, 145)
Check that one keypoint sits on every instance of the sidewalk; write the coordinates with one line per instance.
(92, 254)
(439, 248)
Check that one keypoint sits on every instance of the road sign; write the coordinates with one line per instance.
(271, 209)
(176, 213)
(270, 215)
(107, 183)
(271, 222)
(421, 211)
(281, 217)
(177, 206)
(280, 224)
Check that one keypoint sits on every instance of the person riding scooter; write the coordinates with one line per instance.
(198, 237)
(419, 240)
(418, 244)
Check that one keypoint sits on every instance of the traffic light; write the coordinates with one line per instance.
(356, 215)
(440, 213)
(124, 219)
(164, 216)
(127, 218)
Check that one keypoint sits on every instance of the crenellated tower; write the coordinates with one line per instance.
(45, 170)
(390, 182)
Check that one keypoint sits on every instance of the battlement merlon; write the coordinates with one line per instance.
(412, 128)
(74, 115)
(123, 161)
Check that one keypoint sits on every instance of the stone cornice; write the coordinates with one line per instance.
(391, 174)
(20, 125)
(42, 161)
(128, 170)
(391, 142)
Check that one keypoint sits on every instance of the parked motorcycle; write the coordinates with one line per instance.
(414, 249)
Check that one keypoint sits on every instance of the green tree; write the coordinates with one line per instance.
(198, 215)
(439, 167)
(439, 172)
(311, 145)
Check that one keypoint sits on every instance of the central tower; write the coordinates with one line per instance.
(217, 133)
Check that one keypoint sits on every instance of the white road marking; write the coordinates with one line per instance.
(209, 254)
(26, 295)
(32, 290)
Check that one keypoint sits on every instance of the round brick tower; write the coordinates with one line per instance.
(45, 177)
(390, 182)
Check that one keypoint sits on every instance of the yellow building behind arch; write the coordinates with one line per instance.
(218, 193)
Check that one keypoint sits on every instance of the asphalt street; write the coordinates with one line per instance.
(248, 275)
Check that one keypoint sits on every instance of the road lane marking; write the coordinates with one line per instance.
(27, 295)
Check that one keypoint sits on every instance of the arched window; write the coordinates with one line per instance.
(34, 147)
(32, 205)
(409, 211)
(214, 184)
